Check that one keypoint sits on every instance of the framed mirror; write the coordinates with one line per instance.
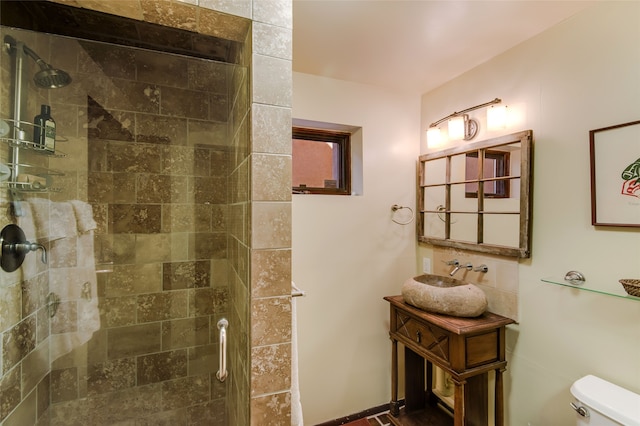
(478, 196)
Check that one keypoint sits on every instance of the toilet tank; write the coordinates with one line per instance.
(608, 404)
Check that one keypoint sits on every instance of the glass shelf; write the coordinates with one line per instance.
(590, 287)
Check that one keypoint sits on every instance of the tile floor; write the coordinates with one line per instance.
(380, 419)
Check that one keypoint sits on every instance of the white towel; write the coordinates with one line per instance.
(84, 216)
(53, 220)
(296, 403)
(75, 282)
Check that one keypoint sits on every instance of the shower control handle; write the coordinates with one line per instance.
(14, 247)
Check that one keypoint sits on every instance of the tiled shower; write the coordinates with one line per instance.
(162, 149)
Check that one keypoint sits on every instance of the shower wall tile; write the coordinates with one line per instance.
(115, 407)
(10, 303)
(271, 131)
(161, 367)
(173, 14)
(203, 133)
(233, 7)
(222, 25)
(118, 311)
(161, 130)
(208, 77)
(162, 306)
(271, 177)
(66, 318)
(133, 340)
(271, 410)
(270, 321)
(185, 392)
(161, 189)
(35, 367)
(207, 301)
(126, 95)
(43, 399)
(208, 190)
(64, 384)
(185, 218)
(182, 275)
(24, 413)
(114, 61)
(272, 40)
(208, 246)
(271, 225)
(276, 12)
(9, 392)
(271, 273)
(18, 341)
(271, 81)
(111, 376)
(151, 248)
(184, 103)
(134, 279)
(133, 158)
(212, 413)
(180, 161)
(122, 248)
(135, 218)
(103, 124)
(270, 369)
(218, 107)
(183, 333)
(203, 360)
(34, 292)
(161, 70)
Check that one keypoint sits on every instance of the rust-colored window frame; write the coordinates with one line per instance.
(343, 141)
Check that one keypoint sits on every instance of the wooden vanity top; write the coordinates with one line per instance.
(456, 325)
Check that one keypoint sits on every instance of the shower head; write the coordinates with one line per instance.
(48, 77)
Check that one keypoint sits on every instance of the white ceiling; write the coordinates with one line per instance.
(417, 45)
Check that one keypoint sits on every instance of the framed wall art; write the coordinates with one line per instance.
(615, 175)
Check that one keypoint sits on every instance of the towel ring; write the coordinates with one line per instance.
(395, 208)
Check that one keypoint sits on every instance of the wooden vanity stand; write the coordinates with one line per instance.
(466, 348)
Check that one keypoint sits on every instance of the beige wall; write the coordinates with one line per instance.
(348, 254)
(578, 76)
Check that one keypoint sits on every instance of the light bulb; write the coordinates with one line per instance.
(434, 137)
(456, 128)
(497, 117)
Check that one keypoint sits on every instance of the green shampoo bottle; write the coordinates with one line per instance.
(44, 129)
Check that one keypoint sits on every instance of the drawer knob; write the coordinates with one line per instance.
(418, 336)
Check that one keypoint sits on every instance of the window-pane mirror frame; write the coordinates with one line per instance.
(445, 212)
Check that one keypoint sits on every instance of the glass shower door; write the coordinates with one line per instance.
(119, 326)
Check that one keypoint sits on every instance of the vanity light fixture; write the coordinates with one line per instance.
(460, 125)
(496, 117)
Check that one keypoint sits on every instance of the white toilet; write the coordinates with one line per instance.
(600, 403)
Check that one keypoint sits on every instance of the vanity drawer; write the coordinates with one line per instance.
(430, 339)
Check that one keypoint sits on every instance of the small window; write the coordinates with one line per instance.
(496, 166)
(321, 162)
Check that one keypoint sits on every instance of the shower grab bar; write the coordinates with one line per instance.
(222, 370)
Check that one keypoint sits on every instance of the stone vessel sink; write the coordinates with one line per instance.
(444, 295)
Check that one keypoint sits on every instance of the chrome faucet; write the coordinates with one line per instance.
(481, 268)
(457, 266)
